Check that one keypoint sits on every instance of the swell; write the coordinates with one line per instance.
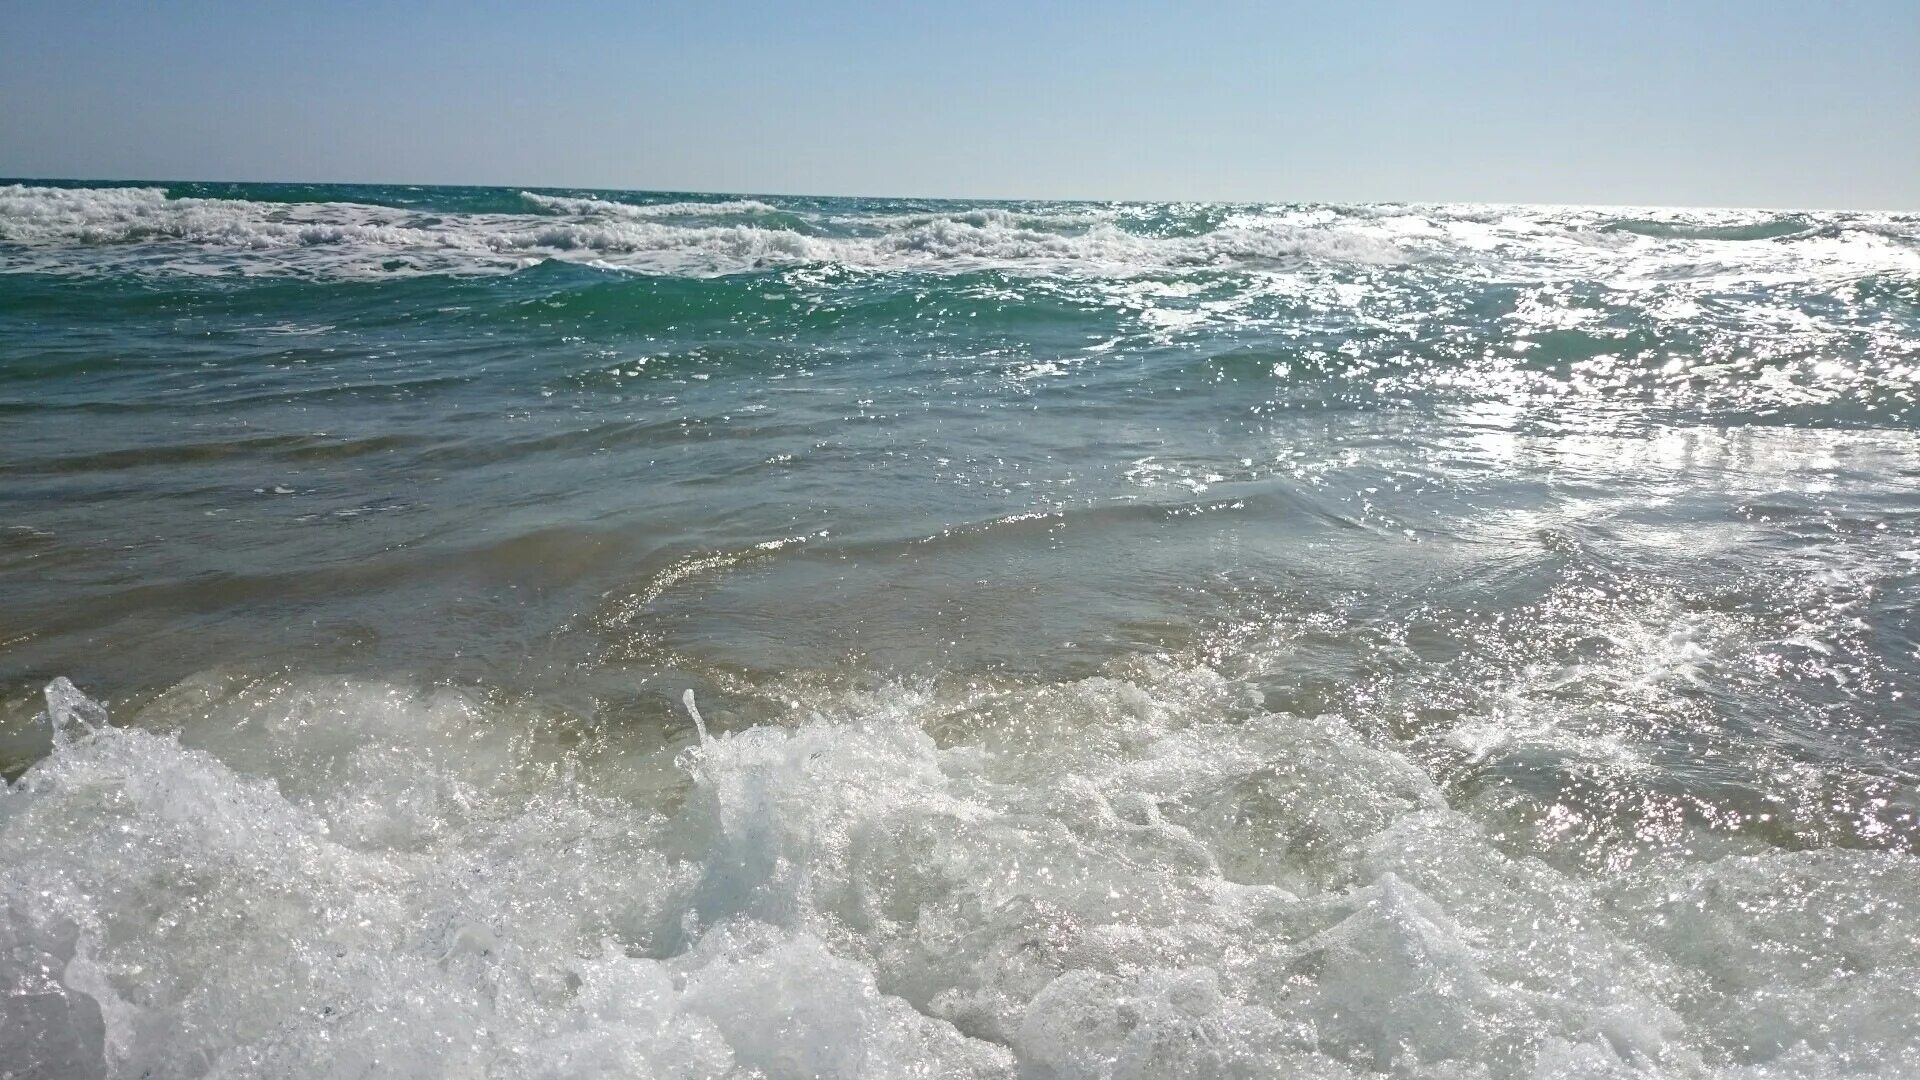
(548, 554)
(1781, 228)
(1250, 503)
(285, 448)
(389, 389)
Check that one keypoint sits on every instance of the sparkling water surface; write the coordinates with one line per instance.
(1134, 640)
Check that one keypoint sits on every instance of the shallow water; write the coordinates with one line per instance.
(1135, 639)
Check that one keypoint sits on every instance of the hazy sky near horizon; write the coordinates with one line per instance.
(1684, 103)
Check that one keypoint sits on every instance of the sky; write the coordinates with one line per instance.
(1802, 105)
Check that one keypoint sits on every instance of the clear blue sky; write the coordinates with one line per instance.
(1691, 102)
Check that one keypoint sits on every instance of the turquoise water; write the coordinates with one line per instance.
(1135, 639)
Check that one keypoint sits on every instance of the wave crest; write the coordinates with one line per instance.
(79, 230)
(595, 207)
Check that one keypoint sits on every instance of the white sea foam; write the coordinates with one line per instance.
(118, 229)
(1136, 875)
(79, 229)
(592, 207)
(1744, 272)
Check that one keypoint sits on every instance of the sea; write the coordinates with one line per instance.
(499, 633)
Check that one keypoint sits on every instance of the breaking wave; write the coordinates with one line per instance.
(1139, 874)
(77, 230)
(82, 230)
(561, 204)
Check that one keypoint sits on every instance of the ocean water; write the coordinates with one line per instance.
(1126, 640)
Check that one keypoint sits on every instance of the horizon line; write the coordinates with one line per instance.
(747, 194)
